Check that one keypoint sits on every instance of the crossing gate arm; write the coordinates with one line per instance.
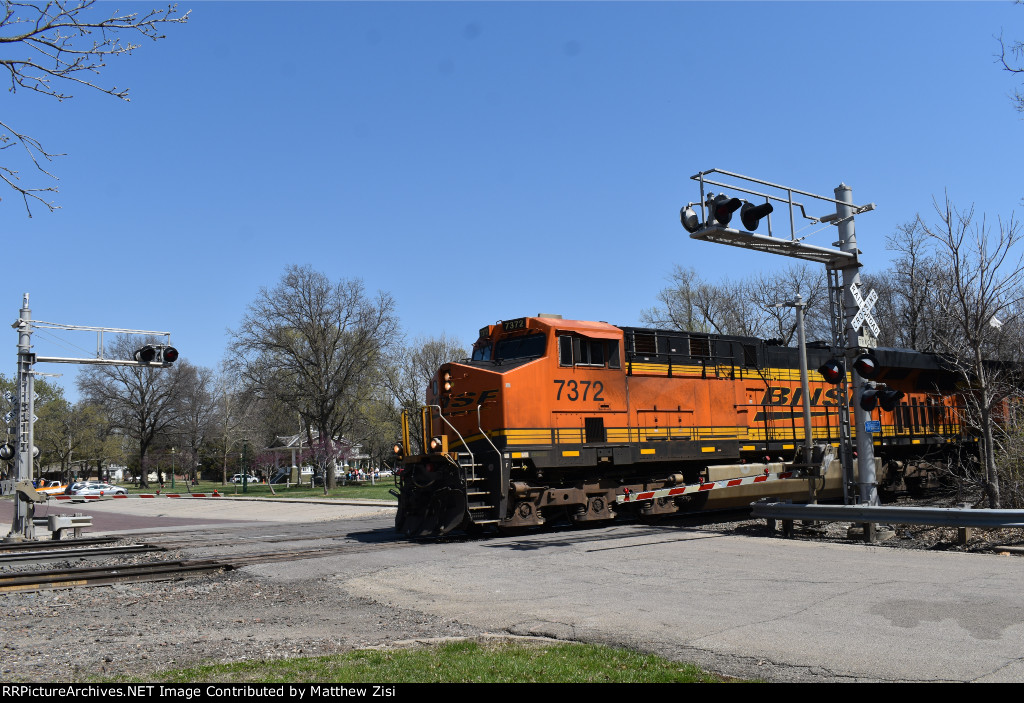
(215, 494)
(629, 496)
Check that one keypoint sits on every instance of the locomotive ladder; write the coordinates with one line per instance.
(481, 502)
(483, 488)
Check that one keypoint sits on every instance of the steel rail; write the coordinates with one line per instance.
(77, 553)
(54, 544)
(165, 570)
(103, 576)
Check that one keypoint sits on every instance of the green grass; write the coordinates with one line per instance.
(459, 662)
(260, 490)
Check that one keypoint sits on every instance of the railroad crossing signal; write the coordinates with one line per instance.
(833, 371)
(867, 366)
(162, 354)
(864, 313)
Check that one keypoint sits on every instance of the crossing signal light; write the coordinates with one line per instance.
(751, 214)
(881, 396)
(866, 365)
(832, 371)
(161, 354)
(721, 208)
(869, 398)
(889, 398)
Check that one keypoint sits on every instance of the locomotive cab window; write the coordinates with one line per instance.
(583, 351)
(482, 350)
(522, 347)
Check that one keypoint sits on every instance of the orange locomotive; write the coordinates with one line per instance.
(556, 418)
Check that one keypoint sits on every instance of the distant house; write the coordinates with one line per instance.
(292, 455)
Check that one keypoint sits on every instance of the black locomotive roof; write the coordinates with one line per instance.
(723, 348)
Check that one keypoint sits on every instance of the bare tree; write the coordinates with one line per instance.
(317, 346)
(410, 372)
(196, 414)
(982, 293)
(67, 432)
(746, 307)
(140, 401)
(1011, 57)
(63, 44)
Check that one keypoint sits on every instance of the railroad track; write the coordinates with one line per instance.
(104, 575)
(50, 554)
(55, 544)
(168, 570)
(171, 570)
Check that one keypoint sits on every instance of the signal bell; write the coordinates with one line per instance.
(689, 219)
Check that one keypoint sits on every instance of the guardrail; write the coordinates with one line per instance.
(964, 519)
(941, 517)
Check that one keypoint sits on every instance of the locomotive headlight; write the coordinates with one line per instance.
(448, 385)
(439, 444)
(398, 449)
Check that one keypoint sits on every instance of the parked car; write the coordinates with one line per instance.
(97, 489)
(237, 478)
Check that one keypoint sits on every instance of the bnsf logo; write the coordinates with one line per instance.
(468, 399)
(782, 395)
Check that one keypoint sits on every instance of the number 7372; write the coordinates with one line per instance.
(578, 390)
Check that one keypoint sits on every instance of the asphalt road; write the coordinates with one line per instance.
(749, 606)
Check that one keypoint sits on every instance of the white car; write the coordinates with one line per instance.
(237, 478)
(97, 489)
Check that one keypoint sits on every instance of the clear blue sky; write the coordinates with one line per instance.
(483, 161)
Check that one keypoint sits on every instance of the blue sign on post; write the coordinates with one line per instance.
(873, 426)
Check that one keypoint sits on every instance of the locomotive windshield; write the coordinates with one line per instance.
(526, 347)
(482, 350)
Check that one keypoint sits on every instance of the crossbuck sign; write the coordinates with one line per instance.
(864, 313)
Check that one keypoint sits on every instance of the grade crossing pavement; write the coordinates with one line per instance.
(162, 514)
